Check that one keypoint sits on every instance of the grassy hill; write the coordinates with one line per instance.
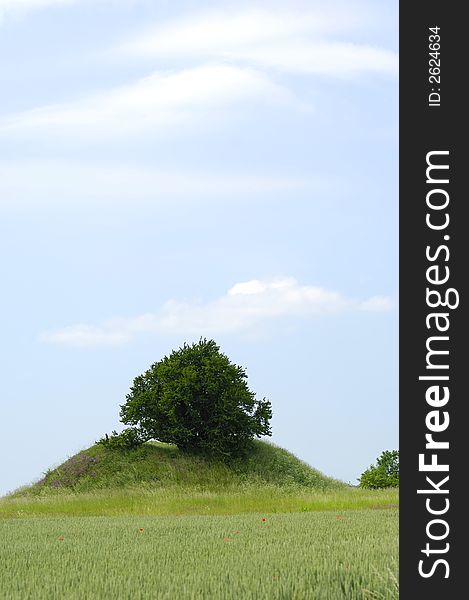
(163, 465)
(159, 479)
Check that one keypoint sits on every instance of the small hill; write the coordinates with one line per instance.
(158, 465)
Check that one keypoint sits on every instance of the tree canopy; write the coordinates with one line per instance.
(384, 474)
(197, 399)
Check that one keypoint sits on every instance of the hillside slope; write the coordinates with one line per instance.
(163, 465)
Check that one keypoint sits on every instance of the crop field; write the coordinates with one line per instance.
(157, 524)
(324, 555)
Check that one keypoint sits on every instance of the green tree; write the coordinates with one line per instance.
(197, 399)
(384, 474)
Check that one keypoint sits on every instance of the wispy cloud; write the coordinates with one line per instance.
(20, 5)
(161, 100)
(288, 40)
(218, 59)
(15, 8)
(30, 184)
(245, 306)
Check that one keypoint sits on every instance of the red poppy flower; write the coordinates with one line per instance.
(264, 519)
(141, 529)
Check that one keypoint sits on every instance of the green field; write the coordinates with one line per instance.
(157, 524)
(188, 501)
(324, 555)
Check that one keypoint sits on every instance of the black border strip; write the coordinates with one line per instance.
(432, 124)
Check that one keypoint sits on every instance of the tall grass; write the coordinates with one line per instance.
(181, 500)
(158, 479)
(161, 465)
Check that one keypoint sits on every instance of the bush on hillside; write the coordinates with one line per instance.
(125, 440)
(197, 399)
(384, 474)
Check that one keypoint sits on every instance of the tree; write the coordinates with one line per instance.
(197, 399)
(384, 474)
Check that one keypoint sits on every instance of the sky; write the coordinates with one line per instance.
(171, 170)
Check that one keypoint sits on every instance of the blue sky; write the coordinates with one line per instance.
(171, 170)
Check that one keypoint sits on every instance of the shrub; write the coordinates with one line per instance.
(384, 474)
(197, 399)
(125, 440)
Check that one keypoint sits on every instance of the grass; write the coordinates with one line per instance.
(178, 500)
(155, 524)
(158, 479)
(162, 465)
(331, 555)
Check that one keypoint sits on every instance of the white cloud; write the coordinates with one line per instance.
(21, 7)
(14, 9)
(376, 304)
(245, 306)
(292, 41)
(214, 33)
(325, 58)
(160, 100)
(37, 184)
(219, 59)
(85, 336)
(11, 5)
